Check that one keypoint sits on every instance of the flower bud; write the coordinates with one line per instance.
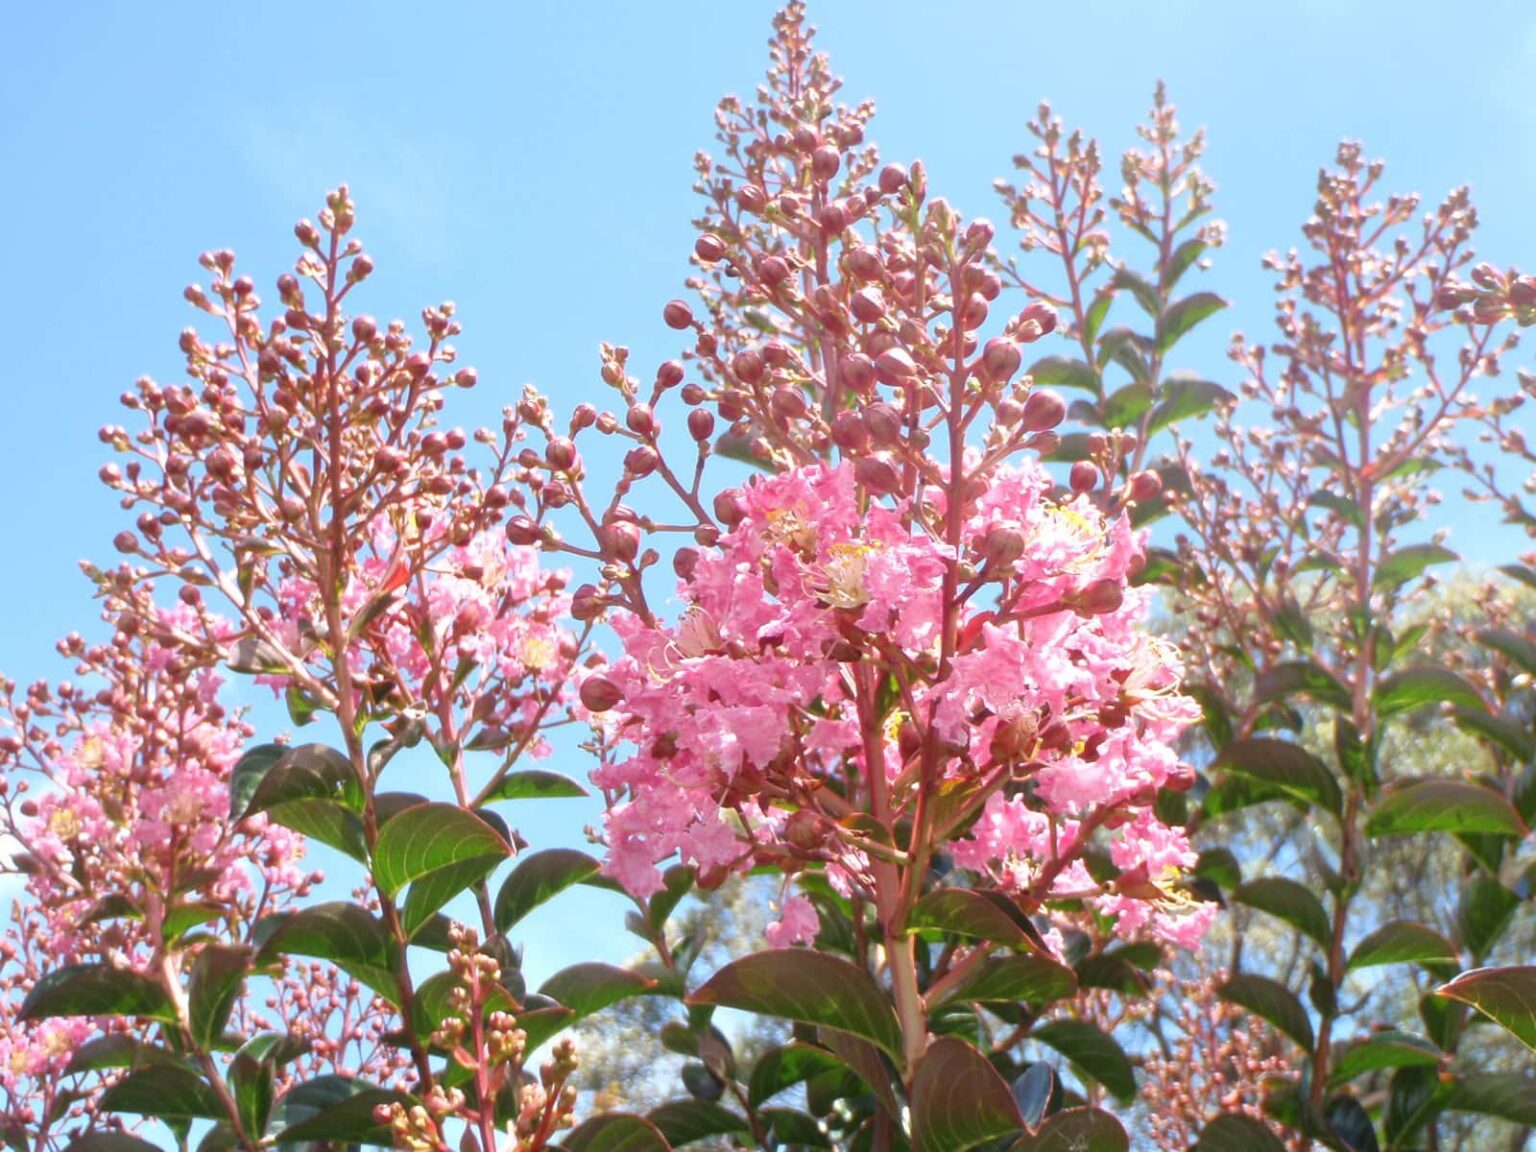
(728, 509)
(684, 561)
(1146, 485)
(877, 474)
(863, 263)
(777, 354)
(1099, 597)
(560, 454)
(805, 830)
(884, 424)
(748, 366)
(772, 270)
(709, 248)
(895, 366)
(858, 372)
(1001, 546)
(834, 219)
(586, 604)
(126, 542)
(893, 178)
(989, 286)
(1001, 358)
(788, 404)
(1037, 320)
(1045, 443)
(641, 462)
(641, 420)
(701, 424)
(583, 416)
(523, 531)
(599, 694)
(979, 233)
(620, 541)
(849, 432)
(669, 375)
(868, 305)
(1084, 477)
(1043, 411)
(677, 315)
(825, 162)
(1485, 275)
(751, 198)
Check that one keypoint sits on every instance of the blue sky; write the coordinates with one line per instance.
(533, 163)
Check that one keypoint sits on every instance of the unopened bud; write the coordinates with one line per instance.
(863, 263)
(684, 562)
(599, 694)
(751, 198)
(895, 366)
(701, 423)
(1146, 485)
(621, 542)
(1084, 477)
(1037, 320)
(788, 404)
(677, 315)
(877, 474)
(1002, 546)
(1043, 411)
(728, 509)
(748, 366)
(858, 372)
(893, 178)
(772, 270)
(1099, 597)
(709, 248)
(867, 305)
(825, 162)
(849, 432)
(884, 424)
(669, 375)
(1001, 358)
(523, 531)
(560, 453)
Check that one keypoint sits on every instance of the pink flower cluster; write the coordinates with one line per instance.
(747, 718)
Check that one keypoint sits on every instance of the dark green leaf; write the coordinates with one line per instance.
(337, 1109)
(980, 915)
(1286, 766)
(1186, 397)
(1408, 563)
(218, 974)
(1514, 736)
(1128, 349)
(1388, 1048)
(867, 1063)
(1094, 320)
(96, 990)
(340, 932)
(787, 1127)
(1182, 316)
(616, 1132)
(1505, 995)
(1077, 1130)
(535, 784)
(332, 824)
(1401, 942)
(537, 878)
(1060, 372)
(164, 1091)
(784, 1067)
(808, 986)
(1300, 678)
(429, 893)
(250, 1081)
(1422, 685)
(1415, 1096)
(1093, 1053)
(1137, 286)
(684, 1121)
(1273, 1001)
(591, 987)
(114, 1050)
(1518, 648)
(427, 837)
(1483, 913)
(305, 772)
(108, 1142)
(1443, 806)
(1220, 866)
(1235, 1133)
(959, 1100)
(542, 1023)
(1184, 256)
(1124, 406)
(1036, 979)
(1351, 1124)
(1289, 901)
(1507, 1095)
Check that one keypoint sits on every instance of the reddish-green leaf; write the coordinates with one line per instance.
(96, 990)
(1408, 563)
(1093, 1052)
(1036, 979)
(684, 1121)
(1060, 372)
(812, 987)
(1401, 942)
(1077, 1130)
(1505, 995)
(1182, 316)
(537, 878)
(1423, 685)
(591, 987)
(959, 1100)
(616, 1132)
(1443, 806)
(163, 1092)
(1508, 1095)
(535, 784)
(428, 837)
(980, 915)
(1386, 1049)
(1285, 766)
(1271, 1000)
(1236, 1133)
(1289, 901)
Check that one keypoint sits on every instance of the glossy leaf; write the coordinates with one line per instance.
(1414, 1097)
(163, 1092)
(591, 987)
(1300, 678)
(1036, 979)
(1505, 995)
(1124, 406)
(1271, 1000)
(538, 877)
(1385, 1049)
(615, 1132)
(1061, 372)
(1288, 901)
(784, 1067)
(337, 1109)
(1181, 317)
(1032, 1092)
(251, 1083)
(1077, 1130)
(332, 824)
(96, 990)
(1093, 1052)
(1508, 1095)
(270, 774)
(1423, 685)
(684, 1121)
(866, 1062)
(218, 974)
(109, 1142)
(1351, 1124)
(1408, 563)
(535, 784)
(959, 1100)
(1483, 913)
(1443, 806)
(979, 915)
(1286, 766)
(423, 839)
(1186, 397)
(811, 987)
(340, 932)
(1401, 942)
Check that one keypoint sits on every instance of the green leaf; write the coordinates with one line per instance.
(341, 932)
(786, 1066)
(1351, 1124)
(423, 839)
(1506, 996)
(1235, 1133)
(591, 987)
(1508, 732)
(811, 987)
(1300, 678)
(1128, 349)
(1271, 1000)
(1093, 1053)
(1286, 766)
(429, 893)
(537, 878)
(1401, 942)
(1386, 1049)
(1507, 1095)
(1341, 506)
(1422, 685)
(1181, 317)
(959, 1100)
(1289, 901)
(1517, 648)
(96, 990)
(1406, 564)
(1061, 372)
(787, 1127)
(684, 1121)
(1415, 1096)
(535, 784)
(1031, 978)
(1219, 866)
(540, 1024)
(975, 913)
(1443, 806)
(109, 1142)
(1183, 258)
(164, 1091)
(1077, 1130)
(270, 775)
(332, 824)
(616, 1132)
(218, 974)
(1124, 406)
(1185, 396)
(337, 1109)
(867, 1063)
(1137, 285)
(1483, 913)
(1094, 320)
(250, 1081)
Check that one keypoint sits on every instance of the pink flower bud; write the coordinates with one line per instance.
(586, 604)
(728, 509)
(868, 305)
(748, 366)
(864, 263)
(364, 329)
(1146, 485)
(1485, 275)
(466, 377)
(1037, 320)
(641, 420)
(126, 542)
(1002, 546)
(709, 248)
(825, 162)
(805, 138)
(694, 394)
(684, 562)
(858, 372)
(522, 531)
(1099, 597)
(893, 178)
(877, 474)
(599, 694)
(1083, 477)
(776, 354)
(849, 432)
(1452, 296)
(895, 366)
(669, 375)
(701, 423)
(772, 270)
(979, 233)
(834, 218)
(1001, 358)
(677, 315)
(641, 462)
(1043, 411)
(884, 424)
(1044, 443)
(788, 404)
(751, 198)
(583, 416)
(621, 541)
